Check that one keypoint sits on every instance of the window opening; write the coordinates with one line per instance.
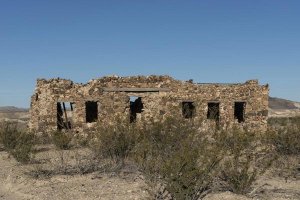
(188, 109)
(213, 111)
(136, 106)
(239, 111)
(91, 111)
(64, 115)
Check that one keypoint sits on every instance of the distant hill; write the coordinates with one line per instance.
(283, 108)
(10, 109)
(278, 103)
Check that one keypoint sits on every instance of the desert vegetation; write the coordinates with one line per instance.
(18, 143)
(177, 158)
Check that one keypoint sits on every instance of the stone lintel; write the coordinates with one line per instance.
(136, 90)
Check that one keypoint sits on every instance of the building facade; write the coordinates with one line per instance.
(59, 104)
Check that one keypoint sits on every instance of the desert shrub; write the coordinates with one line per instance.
(62, 140)
(284, 136)
(170, 151)
(19, 144)
(245, 158)
(277, 121)
(189, 171)
(83, 139)
(114, 141)
(239, 175)
(43, 138)
(174, 153)
(283, 121)
(9, 134)
(285, 139)
(23, 149)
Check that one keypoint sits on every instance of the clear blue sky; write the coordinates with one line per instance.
(208, 41)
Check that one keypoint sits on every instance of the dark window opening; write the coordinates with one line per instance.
(188, 110)
(64, 115)
(239, 111)
(36, 97)
(213, 111)
(136, 106)
(91, 111)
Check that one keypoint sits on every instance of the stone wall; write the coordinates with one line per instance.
(160, 96)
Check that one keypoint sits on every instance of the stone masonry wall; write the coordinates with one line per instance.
(161, 96)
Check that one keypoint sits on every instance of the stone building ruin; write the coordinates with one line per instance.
(59, 104)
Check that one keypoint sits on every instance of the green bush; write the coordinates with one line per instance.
(23, 149)
(283, 121)
(9, 134)
(286, 139)
(17, 143)
(245, 158)
(43, 138)
(189, 171)
(114, 141)
(239, 175)
(170, 151)
(174, 152)
(284, 135)
(62, 140)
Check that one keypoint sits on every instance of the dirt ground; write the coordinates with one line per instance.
(272, 188)
(15, 184)
(129, 183)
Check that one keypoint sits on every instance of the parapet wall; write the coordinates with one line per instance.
(102, 99)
